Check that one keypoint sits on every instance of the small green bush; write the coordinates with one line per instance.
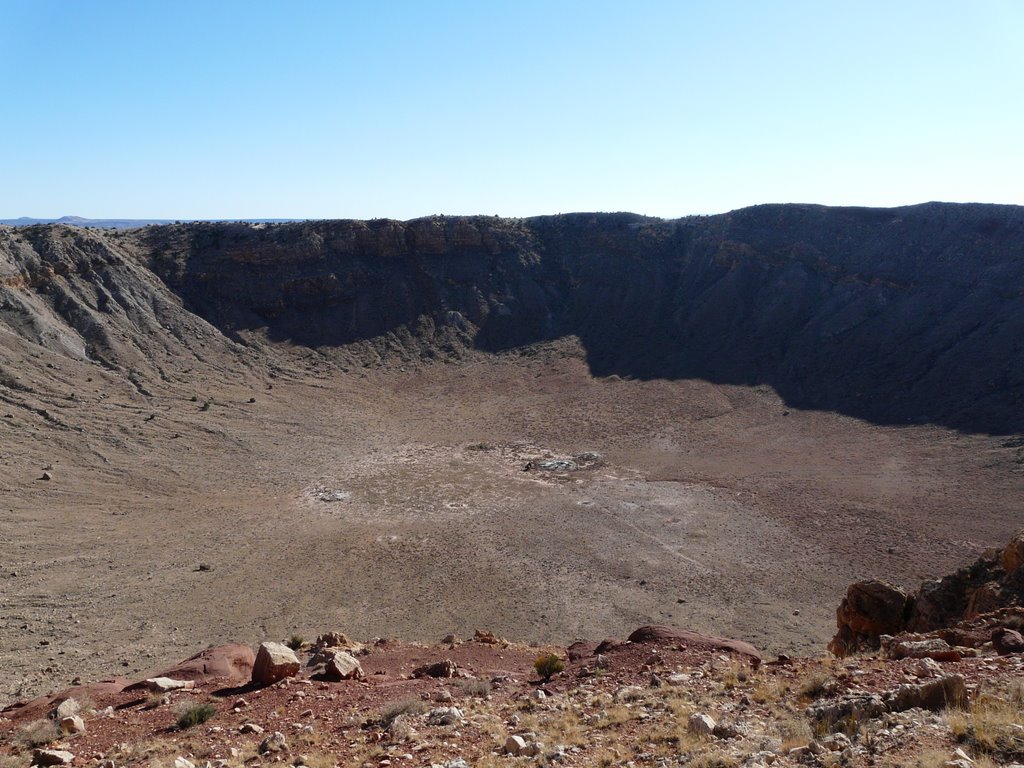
(548, 665)
(196, 714)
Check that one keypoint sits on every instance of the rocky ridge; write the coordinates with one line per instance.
(906, 314)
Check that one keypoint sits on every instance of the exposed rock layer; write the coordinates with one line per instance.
(908, 314)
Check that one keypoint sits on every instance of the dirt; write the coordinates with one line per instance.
(715, 508)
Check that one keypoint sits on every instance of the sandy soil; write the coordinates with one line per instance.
(395, 503)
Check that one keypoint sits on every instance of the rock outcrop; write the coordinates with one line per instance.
(963, 609)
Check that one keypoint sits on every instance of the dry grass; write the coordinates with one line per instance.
(411, 706)
(992, 723)
(792, 730)
(480, 689)
(15, 761)
(38, 733)
(713, 760)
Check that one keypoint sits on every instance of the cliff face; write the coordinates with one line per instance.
(897, 315)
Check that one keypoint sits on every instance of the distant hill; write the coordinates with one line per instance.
(78, 221)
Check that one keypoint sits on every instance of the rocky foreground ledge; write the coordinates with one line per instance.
(663, 697)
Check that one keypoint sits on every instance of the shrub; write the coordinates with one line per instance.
(389, 712)
(38, 733)
(196, 714)
(295, 642)
(548, 665)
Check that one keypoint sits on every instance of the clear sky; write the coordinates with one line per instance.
(403, 108)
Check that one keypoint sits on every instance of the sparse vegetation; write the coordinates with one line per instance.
(992, 723)
(480, 689)
(548, 665)
(38, 733)
(195, 714)
(410, 706)
(295, 642)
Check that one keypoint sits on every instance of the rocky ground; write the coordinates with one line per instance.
(664, 699)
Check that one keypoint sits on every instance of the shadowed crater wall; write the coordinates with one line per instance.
(911, 314)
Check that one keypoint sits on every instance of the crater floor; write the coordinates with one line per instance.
(392, 502)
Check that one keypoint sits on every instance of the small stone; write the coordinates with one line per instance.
(538, 695)
(72, 725)
(167, 684)
(276, 742)
(181, 762)
(250, 728)
(514, 745)
(700, 724)
(444, 716)
(533, 749)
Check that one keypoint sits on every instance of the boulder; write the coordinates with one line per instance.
(946, 692)
(48, 757)
(929, 648)
(274, 662)
(342, 666)
(870, 608)
(232, 661)
(446, 668)
(657, 635)
(1012, 556)
(1007, 641)
(514, 745)
(700, 724)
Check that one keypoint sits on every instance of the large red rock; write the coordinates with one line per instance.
(42, 706)
(657, 634)
(1007, 641)
(233, 661)
(870, 608)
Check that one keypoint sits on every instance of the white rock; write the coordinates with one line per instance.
(181, 762)
(67, 708)
(444, 716)
(927, 668)
(514, 745)
(166, 684)
(533, 749)
(72, 725)
(344, 666)
(274, 662)
(276, 742)
(700, 724)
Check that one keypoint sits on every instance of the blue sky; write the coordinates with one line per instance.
(220, 109)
